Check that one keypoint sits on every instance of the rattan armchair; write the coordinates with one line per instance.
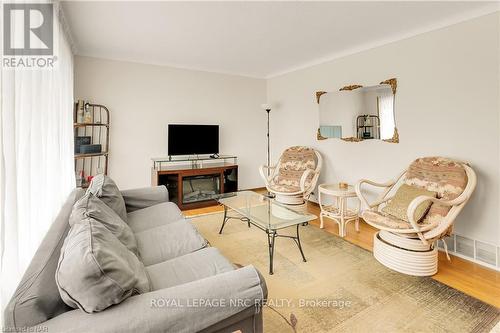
(295, 175)
(411, 247)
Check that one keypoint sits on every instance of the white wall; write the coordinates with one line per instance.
(447, 104)
(144, 99)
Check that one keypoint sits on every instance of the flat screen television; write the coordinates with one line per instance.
(193, 139)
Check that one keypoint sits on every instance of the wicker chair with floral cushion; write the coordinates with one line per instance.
(295, 175)
(410, 246)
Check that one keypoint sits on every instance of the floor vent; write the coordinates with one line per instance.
(479, 252)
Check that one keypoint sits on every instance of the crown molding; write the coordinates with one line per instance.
(471, 15)
(169, 66)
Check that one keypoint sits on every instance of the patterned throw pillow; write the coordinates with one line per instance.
(398, 205)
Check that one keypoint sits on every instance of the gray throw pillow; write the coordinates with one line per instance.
(91, 206)
(96, 270)
(105, 189)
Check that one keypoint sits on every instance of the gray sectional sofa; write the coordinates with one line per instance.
(193, 287)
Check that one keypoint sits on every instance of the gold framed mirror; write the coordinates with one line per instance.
(357, 113)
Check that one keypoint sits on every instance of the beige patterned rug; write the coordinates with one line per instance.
(342, 288)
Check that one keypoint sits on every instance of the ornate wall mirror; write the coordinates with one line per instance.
(356, 113)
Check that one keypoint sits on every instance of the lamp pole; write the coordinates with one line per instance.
(267, 107)
(268, 110)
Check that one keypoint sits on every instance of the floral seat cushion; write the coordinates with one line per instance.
(382, 220)
(293, 163)
(284, 188)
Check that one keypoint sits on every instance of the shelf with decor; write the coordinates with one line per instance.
(91, 140)
(368, 127)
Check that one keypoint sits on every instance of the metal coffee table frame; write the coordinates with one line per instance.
(272, 234)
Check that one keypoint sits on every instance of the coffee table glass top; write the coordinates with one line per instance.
(263, 211)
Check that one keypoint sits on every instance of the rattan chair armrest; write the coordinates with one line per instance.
(303, 179)
(263, 173)
(363, 199)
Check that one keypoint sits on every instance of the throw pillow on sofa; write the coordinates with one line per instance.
(96, 270)
(91, 206)
(105, 189)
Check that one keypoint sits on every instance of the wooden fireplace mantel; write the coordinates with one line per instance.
(172, 176)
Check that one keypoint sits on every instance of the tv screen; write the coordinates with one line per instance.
(193, 139)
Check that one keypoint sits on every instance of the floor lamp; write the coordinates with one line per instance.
(267, 107)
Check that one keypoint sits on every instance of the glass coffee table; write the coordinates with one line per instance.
(266, 214)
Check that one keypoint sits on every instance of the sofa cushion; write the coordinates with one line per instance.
(37, 298)
(96, 270)
(190, 267)
(105, 189)
(139, 198)
(154, 216)
(91, 206)
(168, 241)
(398, 205)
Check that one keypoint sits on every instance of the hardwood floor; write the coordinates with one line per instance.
(468, 277)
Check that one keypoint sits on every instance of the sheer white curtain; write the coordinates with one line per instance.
(386, 114)
(36, 157)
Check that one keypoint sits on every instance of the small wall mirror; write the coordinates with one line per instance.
(356, 113)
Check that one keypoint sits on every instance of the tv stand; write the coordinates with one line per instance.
(191, 183)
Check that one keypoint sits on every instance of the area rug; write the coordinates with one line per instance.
(342, 288)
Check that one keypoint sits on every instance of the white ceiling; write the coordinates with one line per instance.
(258, 39)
